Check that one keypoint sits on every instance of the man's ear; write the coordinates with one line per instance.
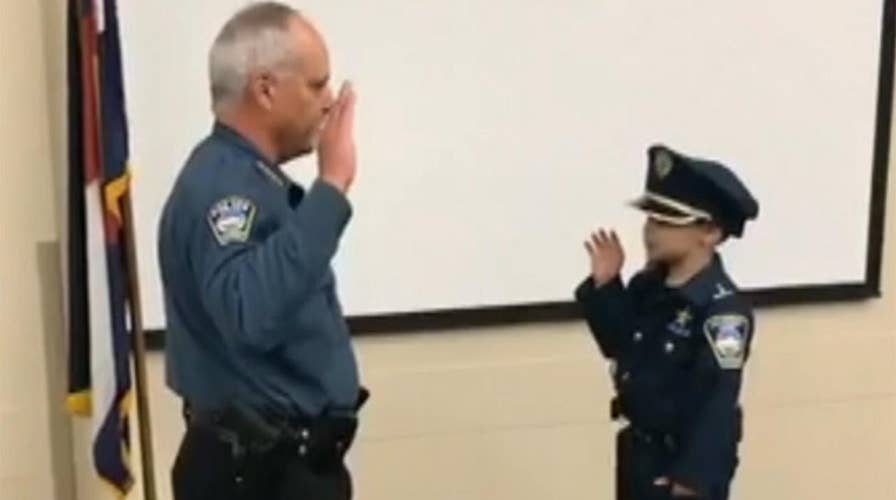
(261, 89)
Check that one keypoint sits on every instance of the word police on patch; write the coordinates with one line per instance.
(727, 335)
(231, 219)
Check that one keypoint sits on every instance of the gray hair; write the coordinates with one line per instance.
(255, 39)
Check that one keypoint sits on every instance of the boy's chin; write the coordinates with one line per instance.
(654, 259)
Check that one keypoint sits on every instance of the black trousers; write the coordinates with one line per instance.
(208, 468)
(639, 462)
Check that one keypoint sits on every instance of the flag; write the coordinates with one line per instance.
(99, 344)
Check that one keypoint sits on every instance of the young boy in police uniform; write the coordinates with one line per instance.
(678, 333)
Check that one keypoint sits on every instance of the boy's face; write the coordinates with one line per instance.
(668, 243)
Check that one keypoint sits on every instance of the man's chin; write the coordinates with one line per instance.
(296, 153)
(305, 151)
(309, 147)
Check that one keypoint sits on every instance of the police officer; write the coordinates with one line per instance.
(678, 333)
(257, 345)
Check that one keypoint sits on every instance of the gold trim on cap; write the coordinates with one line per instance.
(677, 205)
(685, 220)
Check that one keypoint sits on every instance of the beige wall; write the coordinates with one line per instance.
(35, 448)
(514, 413)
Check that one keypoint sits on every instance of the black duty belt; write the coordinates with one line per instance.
(322, 440)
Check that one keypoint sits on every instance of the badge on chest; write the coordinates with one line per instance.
(681, 325)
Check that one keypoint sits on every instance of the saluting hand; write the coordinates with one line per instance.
(607, 256)
(337, 162)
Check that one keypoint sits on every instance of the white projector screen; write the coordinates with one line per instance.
(493, 136)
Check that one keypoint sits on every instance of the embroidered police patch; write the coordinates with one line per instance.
(231, 219)
(727, 335)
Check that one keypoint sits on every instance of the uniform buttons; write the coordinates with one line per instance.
(670, 347)
(638, 336)
(305, 434)
(625, 376)
(303, 450)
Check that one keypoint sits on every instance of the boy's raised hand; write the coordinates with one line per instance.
(607, 256)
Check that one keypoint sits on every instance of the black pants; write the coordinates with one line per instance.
(207, 468)
(639, 462)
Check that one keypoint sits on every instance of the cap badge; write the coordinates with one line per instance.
(662, 164)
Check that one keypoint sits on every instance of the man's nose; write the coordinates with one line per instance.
(328, 101)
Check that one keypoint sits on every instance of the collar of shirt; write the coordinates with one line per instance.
(272, 172)
(711, 283)
(707, 284)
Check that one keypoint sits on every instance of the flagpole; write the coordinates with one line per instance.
(139, 348)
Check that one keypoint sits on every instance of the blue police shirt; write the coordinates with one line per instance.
(678, 358)
(250, 297)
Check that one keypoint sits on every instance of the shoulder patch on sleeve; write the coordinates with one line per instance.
(727, 336)
(231, 219)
